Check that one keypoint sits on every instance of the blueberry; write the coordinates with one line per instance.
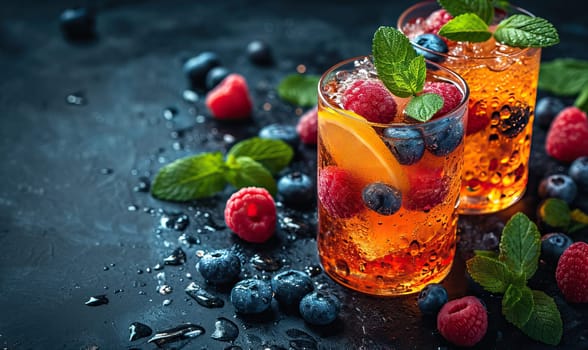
(406, 144)
(432, 298)
(553, 245)
(382, 198)
(260, 53)
(290, 287)
(558, 186)
(286, 133)
(196, 68)
(513, 120)
(443, 136)
(319, 308)
(215, 76)
(546, 109)
(219, 266)
(431, 42)
(78, 24)
(296, 190)
(251, 296)
(578, 171)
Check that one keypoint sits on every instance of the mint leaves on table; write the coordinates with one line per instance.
(557, 214)
(251, 162)
(299, 89)
(533, 312)
(472, 19)
(403, 72)
(566, 77)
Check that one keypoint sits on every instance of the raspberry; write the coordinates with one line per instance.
(567, 138)
(428, 187)
(449, 92)
(436, 20)
(339, 192)
(463, 321)
(572, 273)
(251, 214)
(370, 99)
(307, 127)
(230, 99)
(478, 119)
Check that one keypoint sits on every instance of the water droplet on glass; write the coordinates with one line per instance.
(139, 330)
(225, 330)
(183, 332)
(203, 297)
(97, 300)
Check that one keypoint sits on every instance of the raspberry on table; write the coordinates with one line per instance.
(571, 273)
(449, 92)
(251, 214)
(307, 127)
(567, 138)
(463, 321)
(230, 99)
(339, 192)
(436, 20)
(370, 99)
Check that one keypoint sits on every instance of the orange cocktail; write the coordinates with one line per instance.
(388, 192)
(503, 87)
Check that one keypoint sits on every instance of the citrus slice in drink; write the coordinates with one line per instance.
(353, 144)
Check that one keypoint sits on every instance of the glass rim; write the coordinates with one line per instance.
(455, 78)
(409, 10)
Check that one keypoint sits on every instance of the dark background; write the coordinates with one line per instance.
(72, 224)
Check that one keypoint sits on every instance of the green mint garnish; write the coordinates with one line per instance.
(534, 312)
(566, 77)
(299, 89)
(582, 99)
(472, 17)
(557, 214)
(251, 162)
(402, 71)
(466, 27)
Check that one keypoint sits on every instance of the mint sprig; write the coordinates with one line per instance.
(483, 9)
(534, 312)
(403, 72)
(566, 77)
(466, 27)
(525, 31)
(299, 89)
(557, 214)
(251, 162)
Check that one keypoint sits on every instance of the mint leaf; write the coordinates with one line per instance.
(423, 107)
(245, 172)
(490, 273)
(299, 89)
(483, 8)
(397, 63)
(466, 27)
(520, 245)
(190, 178)
(517, 304)
(579, 221)
(564, 76)
(582, 99)
(501, 4)
(274, 155)
(545, 323)
(486, 253)
(526, 31)
(555, 213)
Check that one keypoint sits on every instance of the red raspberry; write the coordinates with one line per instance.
(370, 99)
(307, 127)
(230, 99)
(251, 214)
(436, 20)
(449, 92)
(478, 118)
(567, 138)
(463, 321)
(339, 192)
(571, 273)
(428, 187)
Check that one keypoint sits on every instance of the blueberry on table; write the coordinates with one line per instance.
(432, 298)
(196, 68)
(251, 296)
(319, 308)
(558, 186)
(286, 133)
(78, 24)
(382, 198)
(259, 52)
(443, 137)
(215, 76)
(553, 245)
(290, 287)
(219, 266)
(407, 145)
(296, 189)
(431, 42)
(546, 110)
(578, 171)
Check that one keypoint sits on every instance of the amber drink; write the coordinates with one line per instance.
(503, 86)
(387, 213)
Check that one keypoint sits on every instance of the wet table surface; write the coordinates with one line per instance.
(82, 130)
